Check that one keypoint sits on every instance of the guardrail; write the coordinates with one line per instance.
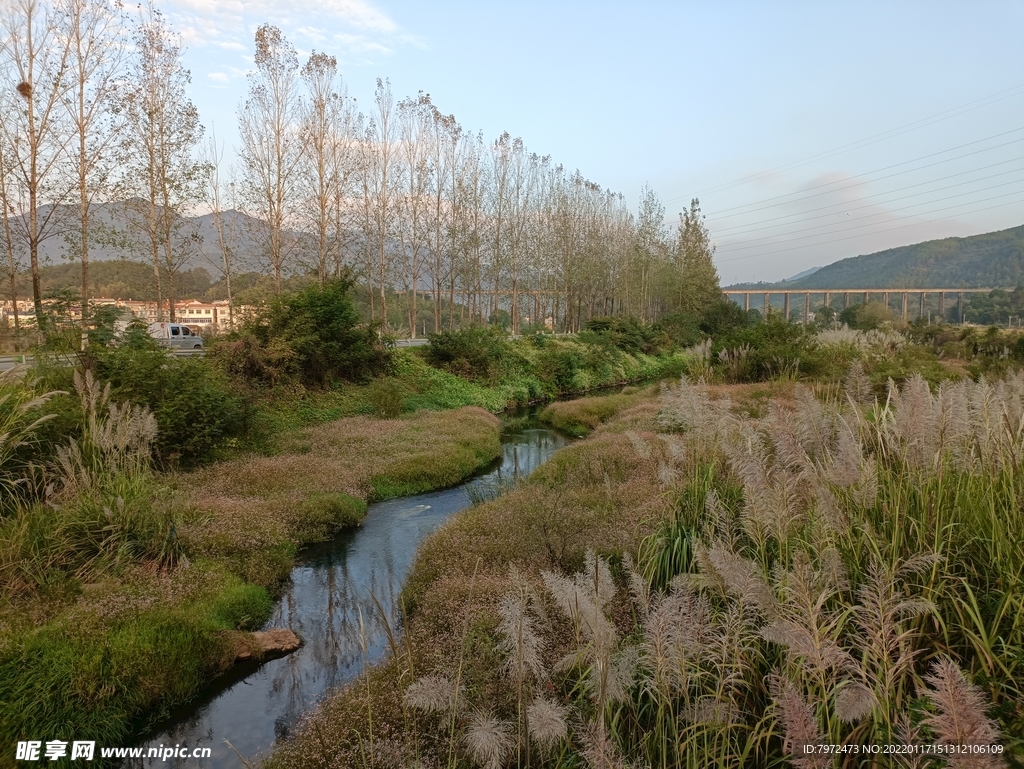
(8, 362)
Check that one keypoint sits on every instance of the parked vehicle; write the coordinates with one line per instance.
(176, 335)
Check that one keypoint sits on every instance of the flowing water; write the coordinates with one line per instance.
(333, 589)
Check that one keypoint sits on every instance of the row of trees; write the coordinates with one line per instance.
(95, 109)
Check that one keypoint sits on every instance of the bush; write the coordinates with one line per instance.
(625, 333)
(313, 336)
(387, 397)
(559, 367)
(195, 407)
(474, 352)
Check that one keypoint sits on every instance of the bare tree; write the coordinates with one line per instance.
(11, 263)
(212, 160)
(161, 179)
(378, 171)
(444, 138)
(415, 116)
(271, 144)
(328, 163)
(95, 33)
(35, 66)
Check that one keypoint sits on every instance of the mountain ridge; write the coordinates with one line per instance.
(988, 260)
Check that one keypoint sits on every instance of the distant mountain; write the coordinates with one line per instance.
(109, 225)
(803, 274)
(993, 259)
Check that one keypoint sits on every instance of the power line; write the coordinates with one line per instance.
(874, 139)
(876, 232)
(893, 210)
(872, 224)
(711, 217)
(845, 205)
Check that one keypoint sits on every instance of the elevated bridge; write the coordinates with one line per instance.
(743, 297)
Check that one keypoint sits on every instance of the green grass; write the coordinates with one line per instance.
(580, 417)
(107, 672)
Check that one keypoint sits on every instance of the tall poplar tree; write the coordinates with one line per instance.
(698, 286)
(162, 179)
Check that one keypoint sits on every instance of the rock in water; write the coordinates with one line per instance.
(275, 642)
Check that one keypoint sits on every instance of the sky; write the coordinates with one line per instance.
(809, 131)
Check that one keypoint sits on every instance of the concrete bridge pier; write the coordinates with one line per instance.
(920, 310)
(846, 300)
(746, 301)
(867, 295)
(785, 311)
(960, 306)
(767, 304)
(904, 305)
(807, 308)
(942, 304)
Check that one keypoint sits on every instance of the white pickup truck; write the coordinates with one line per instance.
(175, 335)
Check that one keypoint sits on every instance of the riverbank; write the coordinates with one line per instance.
(570, 369)
(104, 654)
(716, 576)
(602, 493)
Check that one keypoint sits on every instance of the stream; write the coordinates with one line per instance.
(332, 589)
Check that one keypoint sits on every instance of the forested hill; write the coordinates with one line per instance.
(993, 259)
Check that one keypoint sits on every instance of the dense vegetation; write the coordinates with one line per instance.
(725, 580)
(311, 415)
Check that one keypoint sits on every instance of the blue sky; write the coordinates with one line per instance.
(742, 104)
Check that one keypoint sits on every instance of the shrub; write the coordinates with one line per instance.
(625, 333)
(559, 366)
(474, 352)
(195, 407)
(387, 397)
(313, 336)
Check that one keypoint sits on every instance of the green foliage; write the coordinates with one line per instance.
(387, 397)
(625, 333)
(196, 408)
(115, 278)
(579, 417)
(991, 259)
(560, 366)
(104, 675)
(322, 515)
(997, 306)
(866, 316)
(475, 352)
(313, 337)
(21, 418)
(777, 349)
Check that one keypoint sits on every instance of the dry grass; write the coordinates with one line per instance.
(581, 416)
(602, 494)
(270, 505)
(852, 575)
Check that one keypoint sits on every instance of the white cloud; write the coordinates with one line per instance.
(218, 77)
(229, 24)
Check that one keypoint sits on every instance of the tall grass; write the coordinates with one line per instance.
(847, 572)
(102, 510)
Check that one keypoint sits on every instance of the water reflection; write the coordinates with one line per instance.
(330, 604)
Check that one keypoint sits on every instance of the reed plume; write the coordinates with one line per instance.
(959, 716)
(489, 740)
(549, 722)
